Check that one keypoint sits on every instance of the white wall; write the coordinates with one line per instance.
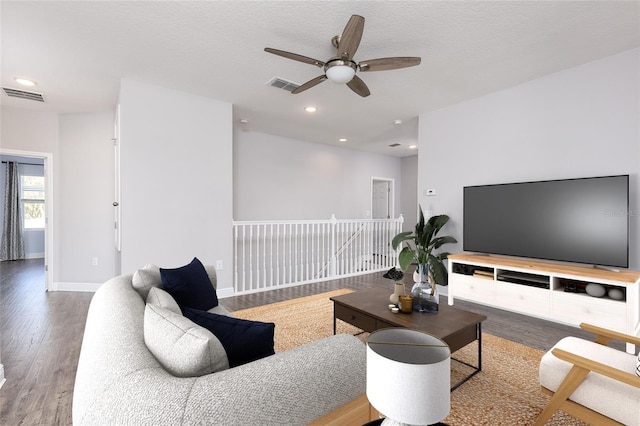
(82, 163)
(176, 178)
(579, 122)
(85, 194)
(279, 178)
(26, 130)
(33, 131)
(409, 200)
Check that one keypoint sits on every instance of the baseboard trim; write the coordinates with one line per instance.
(34, 256)
(225, 292)
(93, 287)
(2, 379)
(67, 286)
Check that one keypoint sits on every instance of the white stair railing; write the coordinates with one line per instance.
(276, 254)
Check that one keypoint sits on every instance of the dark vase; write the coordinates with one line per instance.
(425, 294)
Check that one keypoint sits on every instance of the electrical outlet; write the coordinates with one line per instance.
(218, 264)
(94, 261)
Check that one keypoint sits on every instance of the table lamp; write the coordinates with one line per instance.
(408, 376)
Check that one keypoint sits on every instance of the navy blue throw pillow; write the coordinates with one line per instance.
(190, 286)
(244, 340)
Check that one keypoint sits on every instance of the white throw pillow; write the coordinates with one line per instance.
(183, 348)
(146, 278)
(161, 298)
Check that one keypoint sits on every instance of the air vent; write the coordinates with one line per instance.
(280, 83)
(393, 145)
(17, 93)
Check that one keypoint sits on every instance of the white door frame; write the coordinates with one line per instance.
(391, 194)
(48, 208)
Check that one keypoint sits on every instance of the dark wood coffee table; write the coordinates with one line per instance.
(368, 310)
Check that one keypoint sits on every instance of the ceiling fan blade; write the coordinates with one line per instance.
(309, 84)
(294, 56)
(358, 86)
(351, 36)
(384, 64)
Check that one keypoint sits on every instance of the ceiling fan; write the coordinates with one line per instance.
(342, 68)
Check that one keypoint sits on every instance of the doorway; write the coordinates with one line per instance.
(381, 198)
(46, 159)
(381, 208)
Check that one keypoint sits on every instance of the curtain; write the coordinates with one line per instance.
(12, 239)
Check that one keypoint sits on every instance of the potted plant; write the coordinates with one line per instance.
(418, 246)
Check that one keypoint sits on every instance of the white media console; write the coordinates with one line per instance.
(547, 290)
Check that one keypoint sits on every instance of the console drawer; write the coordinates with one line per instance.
(358, 319)
(530, 300)
(472, 288)
(576, 308)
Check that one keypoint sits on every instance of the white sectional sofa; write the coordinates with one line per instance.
(120, 382)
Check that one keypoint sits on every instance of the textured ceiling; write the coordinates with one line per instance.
(78, 51)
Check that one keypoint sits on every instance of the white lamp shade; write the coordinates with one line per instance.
(340, 73)
(409, 376)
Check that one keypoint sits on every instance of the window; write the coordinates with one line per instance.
(32, 197)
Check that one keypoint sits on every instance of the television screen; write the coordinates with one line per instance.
(574, 220)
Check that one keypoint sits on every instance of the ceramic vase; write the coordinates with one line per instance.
(397, 291)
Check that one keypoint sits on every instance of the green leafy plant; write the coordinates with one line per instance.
(420, 243)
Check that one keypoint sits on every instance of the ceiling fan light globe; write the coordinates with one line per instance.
(340, 74)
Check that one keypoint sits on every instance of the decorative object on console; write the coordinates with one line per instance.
(595, 290)
(408, 376)
(418, 249)
(615, 294)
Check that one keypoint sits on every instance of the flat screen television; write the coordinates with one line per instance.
(582, 220)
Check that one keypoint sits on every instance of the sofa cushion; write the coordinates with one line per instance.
(183, 348)
(610, 397)
(161, 298)
(190, 286)
(146, 278)
(243, 340)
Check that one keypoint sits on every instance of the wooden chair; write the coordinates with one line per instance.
(592, 381)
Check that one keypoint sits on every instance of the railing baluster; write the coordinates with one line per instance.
(274, 254)
(290, 275)
(296, 254)
(278, 254)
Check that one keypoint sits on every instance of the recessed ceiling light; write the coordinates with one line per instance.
(311, 109)
(342, 140)
(396, 122)
(243, 121)
(25, 82)
(413, 146)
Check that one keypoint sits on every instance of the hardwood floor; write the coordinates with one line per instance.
(41, 333)
(40, 337)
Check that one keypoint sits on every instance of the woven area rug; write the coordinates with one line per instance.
(505, 392)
